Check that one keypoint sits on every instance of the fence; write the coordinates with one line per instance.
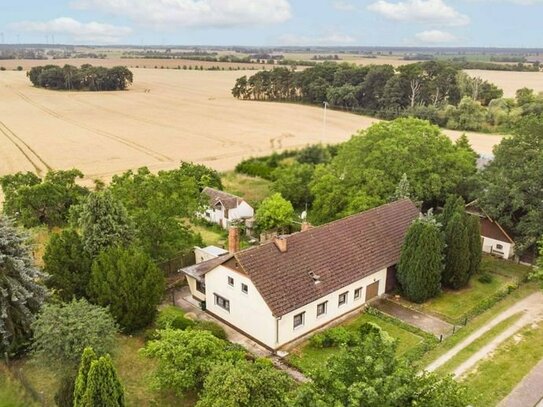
(180, 260)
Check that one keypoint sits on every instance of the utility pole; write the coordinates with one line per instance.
(324, 123)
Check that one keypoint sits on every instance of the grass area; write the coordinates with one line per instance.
(477, 344)
(212, 236)
(479, 321)
(252, 189)
(455, 305)
(495, 377)
(39, 238)
(308, 358)
(11, 393)
(133, 370)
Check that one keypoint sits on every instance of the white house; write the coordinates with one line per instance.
(296, 283)
(495, 239)
(225, 208)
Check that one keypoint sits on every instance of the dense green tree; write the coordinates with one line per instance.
(453, 205)
(314, 154)
(80, 386)
(456, 272)
(21, 294)
(33, 201)
(85, 78)
(421, 260)
(368, 168)
(157, 202)
(511, 189)
(292, 182)
(473, 227)
(468, 115)
(103, 385)
(67, 264)
(128, 281)
(185, 358)
(62, 331)
(245, 384)
(275, 212)
(369, 375)
(104, 222)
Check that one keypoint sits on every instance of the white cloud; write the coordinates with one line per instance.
(194, 13)
(343, 5)
(93, 31)
(423, 11)
(519, 2)
(302, 40)
(435, 37)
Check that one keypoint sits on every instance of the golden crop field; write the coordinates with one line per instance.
(166, 116)
(511, 81)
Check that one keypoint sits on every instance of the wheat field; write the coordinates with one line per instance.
(166, 116)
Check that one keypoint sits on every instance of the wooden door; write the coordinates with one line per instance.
(372, 291)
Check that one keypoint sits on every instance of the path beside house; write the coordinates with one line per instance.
(532, 309)
(184, 300)
(529, 392)
(427, 323)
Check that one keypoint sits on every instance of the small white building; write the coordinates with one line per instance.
(225, 208)
(284, 289)
(495, 239)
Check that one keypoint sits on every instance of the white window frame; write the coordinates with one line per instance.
(346, 296)
(222, 302)
(301, 316)
(231, 281)
(358, 293)
(325, 304)
(244, 288)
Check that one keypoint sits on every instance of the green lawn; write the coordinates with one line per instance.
(477, 344)
(133, 370)
(455, 305)
(494, 378)
(211, 235)
(479, 321)
(307, 358)
(252, 189)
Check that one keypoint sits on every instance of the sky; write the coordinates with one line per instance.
(402, 23)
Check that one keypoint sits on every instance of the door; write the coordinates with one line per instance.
(391, 281)
(372, 291)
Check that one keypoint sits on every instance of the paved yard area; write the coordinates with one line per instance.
(529, 392)
(427, 323)
(532, 309)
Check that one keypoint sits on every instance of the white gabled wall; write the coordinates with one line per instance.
(490, 246)
(287, 332)
(248, 312)
(191, 281)
(251, 315)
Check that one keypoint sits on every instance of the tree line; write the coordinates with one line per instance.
(437, 91)
(87, 77)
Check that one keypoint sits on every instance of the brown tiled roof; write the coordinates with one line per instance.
(198, 270)
(339, 253)
(229, 201)
(493, 230)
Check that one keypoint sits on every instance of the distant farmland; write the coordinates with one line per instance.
(167, 116)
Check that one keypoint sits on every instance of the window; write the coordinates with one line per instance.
(298, 320)
(244, 288)
(200, 287)
(231, 281)
(342, 300)
(321, 308)
(222, 302)
(358, 293)
(499, 246)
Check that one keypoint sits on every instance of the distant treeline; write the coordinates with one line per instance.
(438, 91)
(88, 77)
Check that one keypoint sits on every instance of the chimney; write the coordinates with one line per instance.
(233, 239)
(306, 226)
(281, 243)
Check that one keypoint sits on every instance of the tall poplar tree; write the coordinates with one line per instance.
(457, 252)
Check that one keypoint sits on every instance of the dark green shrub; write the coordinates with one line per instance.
(215, 329)
(485, 278)
(337, 336)
(173, 317)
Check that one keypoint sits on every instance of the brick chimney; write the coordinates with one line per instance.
(281, 243)
(233, 239)
(306, 226)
